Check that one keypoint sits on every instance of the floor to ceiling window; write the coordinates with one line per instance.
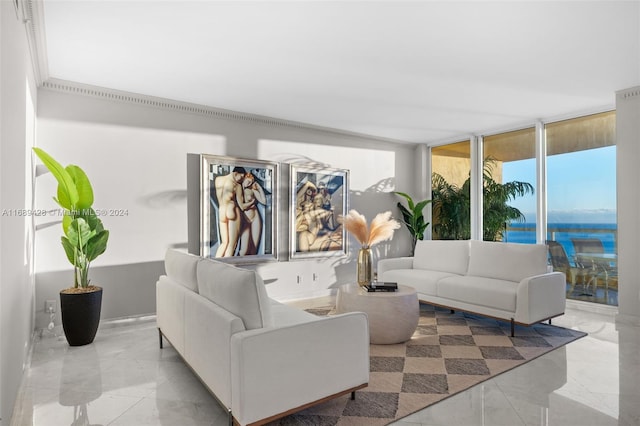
(579, 223)
(509, 182)
(451, 207)
(581, 205)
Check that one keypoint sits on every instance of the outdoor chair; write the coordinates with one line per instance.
(560, 262)
(597, 267)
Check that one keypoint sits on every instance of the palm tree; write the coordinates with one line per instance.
(451, 205)
(451, 209)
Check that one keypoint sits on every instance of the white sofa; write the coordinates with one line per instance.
(501, 280)
(261, 359)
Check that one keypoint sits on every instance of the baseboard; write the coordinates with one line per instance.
(57, 331)
(125, 321)
(594, 308)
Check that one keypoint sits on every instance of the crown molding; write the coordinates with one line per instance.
(75, 88)
(33, 19)
(632, 92)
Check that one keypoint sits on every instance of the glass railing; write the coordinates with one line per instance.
(607, 233)
(590, 277)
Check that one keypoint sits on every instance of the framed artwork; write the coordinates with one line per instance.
(317, 198)
(239, 206)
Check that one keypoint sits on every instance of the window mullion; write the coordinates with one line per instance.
(476, 187)
(541, 184)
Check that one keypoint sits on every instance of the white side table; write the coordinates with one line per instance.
(393, 316)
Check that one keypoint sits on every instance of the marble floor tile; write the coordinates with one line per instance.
(124, 379)
(588, 382)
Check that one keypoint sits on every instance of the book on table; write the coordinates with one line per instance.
(381, 286)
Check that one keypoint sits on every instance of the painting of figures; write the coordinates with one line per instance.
(318, 198)
(238, 209)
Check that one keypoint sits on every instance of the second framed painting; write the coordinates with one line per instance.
(239, 206)
(318, 197)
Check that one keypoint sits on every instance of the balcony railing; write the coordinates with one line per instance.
(562, 233)
(585, 284)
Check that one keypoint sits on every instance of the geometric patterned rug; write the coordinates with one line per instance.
(447, 354)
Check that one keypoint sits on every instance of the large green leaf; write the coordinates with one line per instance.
(89, 215)
(79, 233)
(406, 214)
(85, 191)
(66, 223)
(407, 197)
(70, 250)
(97, 245)
(67, 191)
(420, 206)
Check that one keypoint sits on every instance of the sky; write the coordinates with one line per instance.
(581, 186)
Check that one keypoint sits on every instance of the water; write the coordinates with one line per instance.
(607, 234)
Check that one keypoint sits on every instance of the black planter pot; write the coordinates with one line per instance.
(80, 316)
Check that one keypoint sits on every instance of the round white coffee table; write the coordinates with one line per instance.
(393, 316)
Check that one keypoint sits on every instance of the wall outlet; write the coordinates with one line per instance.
(50, 306)
(299, 279)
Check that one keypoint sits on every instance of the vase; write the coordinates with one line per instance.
(365, 266)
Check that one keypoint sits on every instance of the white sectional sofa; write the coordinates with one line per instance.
(261, 359)
(500, 280)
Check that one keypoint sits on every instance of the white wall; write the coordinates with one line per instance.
(135, 156)
(628, 177)
(138, 177)
(17, 115)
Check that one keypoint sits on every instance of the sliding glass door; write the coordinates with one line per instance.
(581, 200)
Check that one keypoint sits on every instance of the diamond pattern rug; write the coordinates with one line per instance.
(447, 354)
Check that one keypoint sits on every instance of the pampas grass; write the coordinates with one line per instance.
(382, 227)
(356, 224)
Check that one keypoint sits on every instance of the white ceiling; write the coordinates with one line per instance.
(415, 71)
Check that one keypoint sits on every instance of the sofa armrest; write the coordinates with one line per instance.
(385, 265)
(170, 311)
(207, 334)
(274, 370)
(540, 297)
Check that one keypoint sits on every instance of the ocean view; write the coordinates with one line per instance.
(563, 232)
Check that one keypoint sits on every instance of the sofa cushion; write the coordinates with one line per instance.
(286, 315)
(181, 267)
(237, 290)
(507, 261)
(423, 281)
(440, 255)
(489, 292)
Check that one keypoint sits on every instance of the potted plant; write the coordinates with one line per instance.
(413, 218)
(84, 240)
